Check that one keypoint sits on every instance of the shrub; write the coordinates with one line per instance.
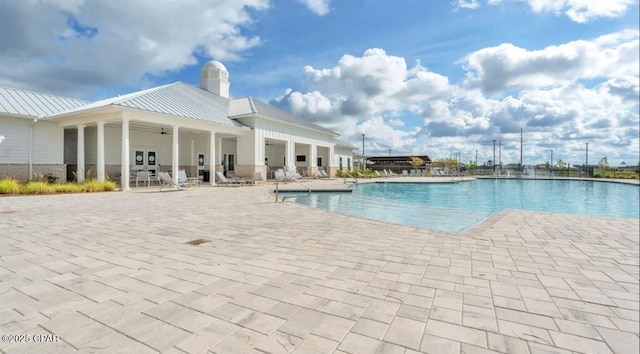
(67, 188)
(37, 188)
(9, 186)
(96, 186)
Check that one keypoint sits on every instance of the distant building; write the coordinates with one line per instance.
(397, 163)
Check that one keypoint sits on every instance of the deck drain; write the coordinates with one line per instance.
(197, 242)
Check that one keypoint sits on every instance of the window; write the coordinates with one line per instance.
(319, 161)
(340, 164)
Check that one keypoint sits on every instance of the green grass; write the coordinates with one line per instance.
(11, 186)
(619, 174)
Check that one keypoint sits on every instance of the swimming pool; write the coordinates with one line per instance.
(458, 206)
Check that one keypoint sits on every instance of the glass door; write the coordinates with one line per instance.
(231, 162)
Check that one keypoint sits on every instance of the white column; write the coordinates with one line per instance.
(176, 154)
(80, 162)
(194, 164)
(313, 155)
(124, 167)
(219, 151)
(212, 158)
(291, 159)
(100, 152)
(332, 159)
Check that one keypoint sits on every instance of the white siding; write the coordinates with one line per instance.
(47, 141)
(266, 129)
(345, 154)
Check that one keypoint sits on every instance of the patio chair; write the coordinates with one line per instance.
(167, 182)
(143, 177)
(322, 173)
(257, 178)
(377, 173)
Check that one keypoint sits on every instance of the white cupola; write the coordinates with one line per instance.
(214, 78)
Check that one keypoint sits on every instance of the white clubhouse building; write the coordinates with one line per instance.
(166, 128)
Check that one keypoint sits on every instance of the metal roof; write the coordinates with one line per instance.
(177, 99)
(247, 105)
(34, 104)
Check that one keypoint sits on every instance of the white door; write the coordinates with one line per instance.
(145, 160)
(152, 161)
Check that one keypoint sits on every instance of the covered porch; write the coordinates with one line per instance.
(116, 147)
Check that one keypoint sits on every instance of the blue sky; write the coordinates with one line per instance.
(415, 76)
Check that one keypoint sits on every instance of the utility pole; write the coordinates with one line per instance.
(494, 157)
(521, 166)
(586, 162)
(363, 159)
(500, 155)
(476, 161)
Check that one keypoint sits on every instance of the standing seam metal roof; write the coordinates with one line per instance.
(270, 111)
(35, 104)
(177, 99)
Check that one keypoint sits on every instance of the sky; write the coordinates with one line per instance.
(415, 76)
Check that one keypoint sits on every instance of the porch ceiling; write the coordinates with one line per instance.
(159, 128)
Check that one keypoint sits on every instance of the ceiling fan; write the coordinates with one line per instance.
(163, 132)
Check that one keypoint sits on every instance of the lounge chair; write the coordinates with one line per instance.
(224, 180)
(232, 176)
(280, 175)
(183, 179)
(377, 173)
(322, 174)
(167, 182)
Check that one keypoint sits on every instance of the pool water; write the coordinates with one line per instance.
(456, 207)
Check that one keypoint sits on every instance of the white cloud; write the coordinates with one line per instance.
(319, 7)
(579, 11)
(70, 47)
(583, 10)
(561, 96)
(466, 4)
(507, 66)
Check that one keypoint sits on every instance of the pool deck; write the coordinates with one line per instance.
(113, 273)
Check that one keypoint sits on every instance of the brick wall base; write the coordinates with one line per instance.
(20, 172)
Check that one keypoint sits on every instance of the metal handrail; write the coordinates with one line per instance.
(355, 181)
(291, 196)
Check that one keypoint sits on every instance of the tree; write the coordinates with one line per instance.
(603, 164)
(416, 162)
(561, 164)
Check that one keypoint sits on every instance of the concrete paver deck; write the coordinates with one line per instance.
(112, 272)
